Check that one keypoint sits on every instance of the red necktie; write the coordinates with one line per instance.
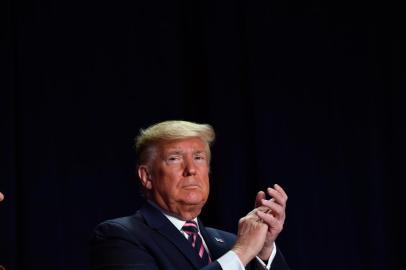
(191, 229)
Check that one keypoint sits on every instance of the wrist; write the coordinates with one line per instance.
(265, 253)
(243, 255)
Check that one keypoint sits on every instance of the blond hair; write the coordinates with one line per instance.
(148, 138)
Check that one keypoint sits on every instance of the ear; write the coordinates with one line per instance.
(145, 176)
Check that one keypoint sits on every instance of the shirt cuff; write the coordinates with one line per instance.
(270, 260)
(230, 261)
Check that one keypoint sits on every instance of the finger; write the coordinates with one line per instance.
(280, 189)
(277, 196)
(268, 219)
(277, 210)
(252, 214)
(260, 195)
(1, 196)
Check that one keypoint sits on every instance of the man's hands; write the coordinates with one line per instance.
(251, 237)
(272, 213)
(258, 230)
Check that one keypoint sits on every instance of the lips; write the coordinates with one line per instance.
(191, 187)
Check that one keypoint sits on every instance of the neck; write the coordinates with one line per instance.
(183, 212)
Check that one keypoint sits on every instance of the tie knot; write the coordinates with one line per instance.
(190, 227)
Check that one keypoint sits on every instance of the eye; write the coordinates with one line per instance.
(174, 159)
(200, 157)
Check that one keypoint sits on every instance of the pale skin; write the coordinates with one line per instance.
(177, 180)
(1, 196)
(258, 230)
(250, 237)
(274, 216)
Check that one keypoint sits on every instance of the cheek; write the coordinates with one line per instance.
(206, 182)
(172, 181)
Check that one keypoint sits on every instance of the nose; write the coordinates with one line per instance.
(190, 167)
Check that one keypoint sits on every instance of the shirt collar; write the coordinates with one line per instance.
(178, 223)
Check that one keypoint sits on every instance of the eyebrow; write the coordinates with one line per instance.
(179, 152)
(174, 152)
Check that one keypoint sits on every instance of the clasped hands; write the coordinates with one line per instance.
(258, 230)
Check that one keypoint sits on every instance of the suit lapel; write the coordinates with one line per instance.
(156, 220)
(215, 243)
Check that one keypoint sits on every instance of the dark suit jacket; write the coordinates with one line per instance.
(149, 241)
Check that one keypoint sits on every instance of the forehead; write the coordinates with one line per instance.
(189, 144)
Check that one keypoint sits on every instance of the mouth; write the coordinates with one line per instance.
(191, 187)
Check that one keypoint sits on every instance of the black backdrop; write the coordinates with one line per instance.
(306, 94)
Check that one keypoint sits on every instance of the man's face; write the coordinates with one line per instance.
(179, 177)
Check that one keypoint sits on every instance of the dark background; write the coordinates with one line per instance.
(307, 94)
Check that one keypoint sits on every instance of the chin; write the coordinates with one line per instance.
(195, 198)
(195, 202)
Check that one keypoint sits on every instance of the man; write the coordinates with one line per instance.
(173, 167)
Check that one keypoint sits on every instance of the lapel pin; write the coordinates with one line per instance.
(219, 240)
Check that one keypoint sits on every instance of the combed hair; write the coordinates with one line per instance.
(167, 131)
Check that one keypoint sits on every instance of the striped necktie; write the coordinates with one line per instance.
(191, 229)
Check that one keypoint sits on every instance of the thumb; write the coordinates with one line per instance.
(260, 196)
